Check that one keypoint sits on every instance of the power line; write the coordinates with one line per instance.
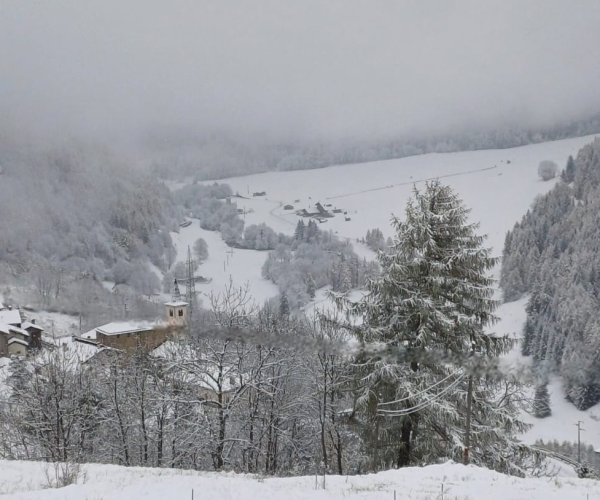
(424, 404)
(423, 391)
(579, 430)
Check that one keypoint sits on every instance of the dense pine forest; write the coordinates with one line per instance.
(552, 255)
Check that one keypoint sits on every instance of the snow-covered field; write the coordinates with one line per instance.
(223, 264)
(27, 481)
(498, 192)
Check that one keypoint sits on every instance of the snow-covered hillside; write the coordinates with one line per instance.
(27, 480)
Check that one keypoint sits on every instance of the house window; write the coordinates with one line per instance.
(180, 312)
(171, 312)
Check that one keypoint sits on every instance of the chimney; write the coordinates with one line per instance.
(32, 321)
(10, 308)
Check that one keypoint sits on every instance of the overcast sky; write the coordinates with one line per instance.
(324, 68)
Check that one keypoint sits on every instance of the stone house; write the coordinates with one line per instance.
(17, 337)
(131, 335)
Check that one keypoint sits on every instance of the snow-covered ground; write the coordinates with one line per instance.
(55, 324)
(224, 263)
(27, 481)
(498, 192)
(499, 186)
(561, 425)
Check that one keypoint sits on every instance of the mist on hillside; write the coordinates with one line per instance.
(270, 72)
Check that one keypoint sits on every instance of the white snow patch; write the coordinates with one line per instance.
(26, 480)
(224, 263)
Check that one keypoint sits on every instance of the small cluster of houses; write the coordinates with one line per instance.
(17, 336)
(322, 214)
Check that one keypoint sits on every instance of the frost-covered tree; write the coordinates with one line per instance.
(284, 306)
(299, 232)
(311, 287)
(434, 292)
(375, 239)
(201, 249)
(345, 278)
(547, 170)
(541, 401)
(568, 174)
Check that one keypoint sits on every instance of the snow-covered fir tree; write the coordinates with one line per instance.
(299, 232)
(284, 306)
(568, 174)
(345, 279)
(311, 287)
(434, 292)
(541, 401)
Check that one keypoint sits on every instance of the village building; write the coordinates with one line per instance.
(131, 335)
(322, 211)
(177, 312)
(17, 337)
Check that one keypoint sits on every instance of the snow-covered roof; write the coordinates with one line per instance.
(10, 317)
(82, 352)
(49, 339)
(91, 335)
(17, 341)
(29, 325)
(178, 303)
(119, 328)
(18, 331)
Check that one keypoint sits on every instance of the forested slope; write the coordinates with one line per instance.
(73, 215)
(553, 254)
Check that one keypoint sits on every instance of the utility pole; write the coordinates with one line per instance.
(468, 423)
(190, 289)
(469, 411)
(579, 429)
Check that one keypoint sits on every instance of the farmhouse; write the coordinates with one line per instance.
(130, 335)
(288, 207)
(322, 211)
(17, 337)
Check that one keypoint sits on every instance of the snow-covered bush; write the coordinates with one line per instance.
(547, 170)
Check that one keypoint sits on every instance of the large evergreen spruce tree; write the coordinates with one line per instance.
(434, 292)
(541, 402)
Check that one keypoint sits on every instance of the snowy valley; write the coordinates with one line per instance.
(302, 249)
